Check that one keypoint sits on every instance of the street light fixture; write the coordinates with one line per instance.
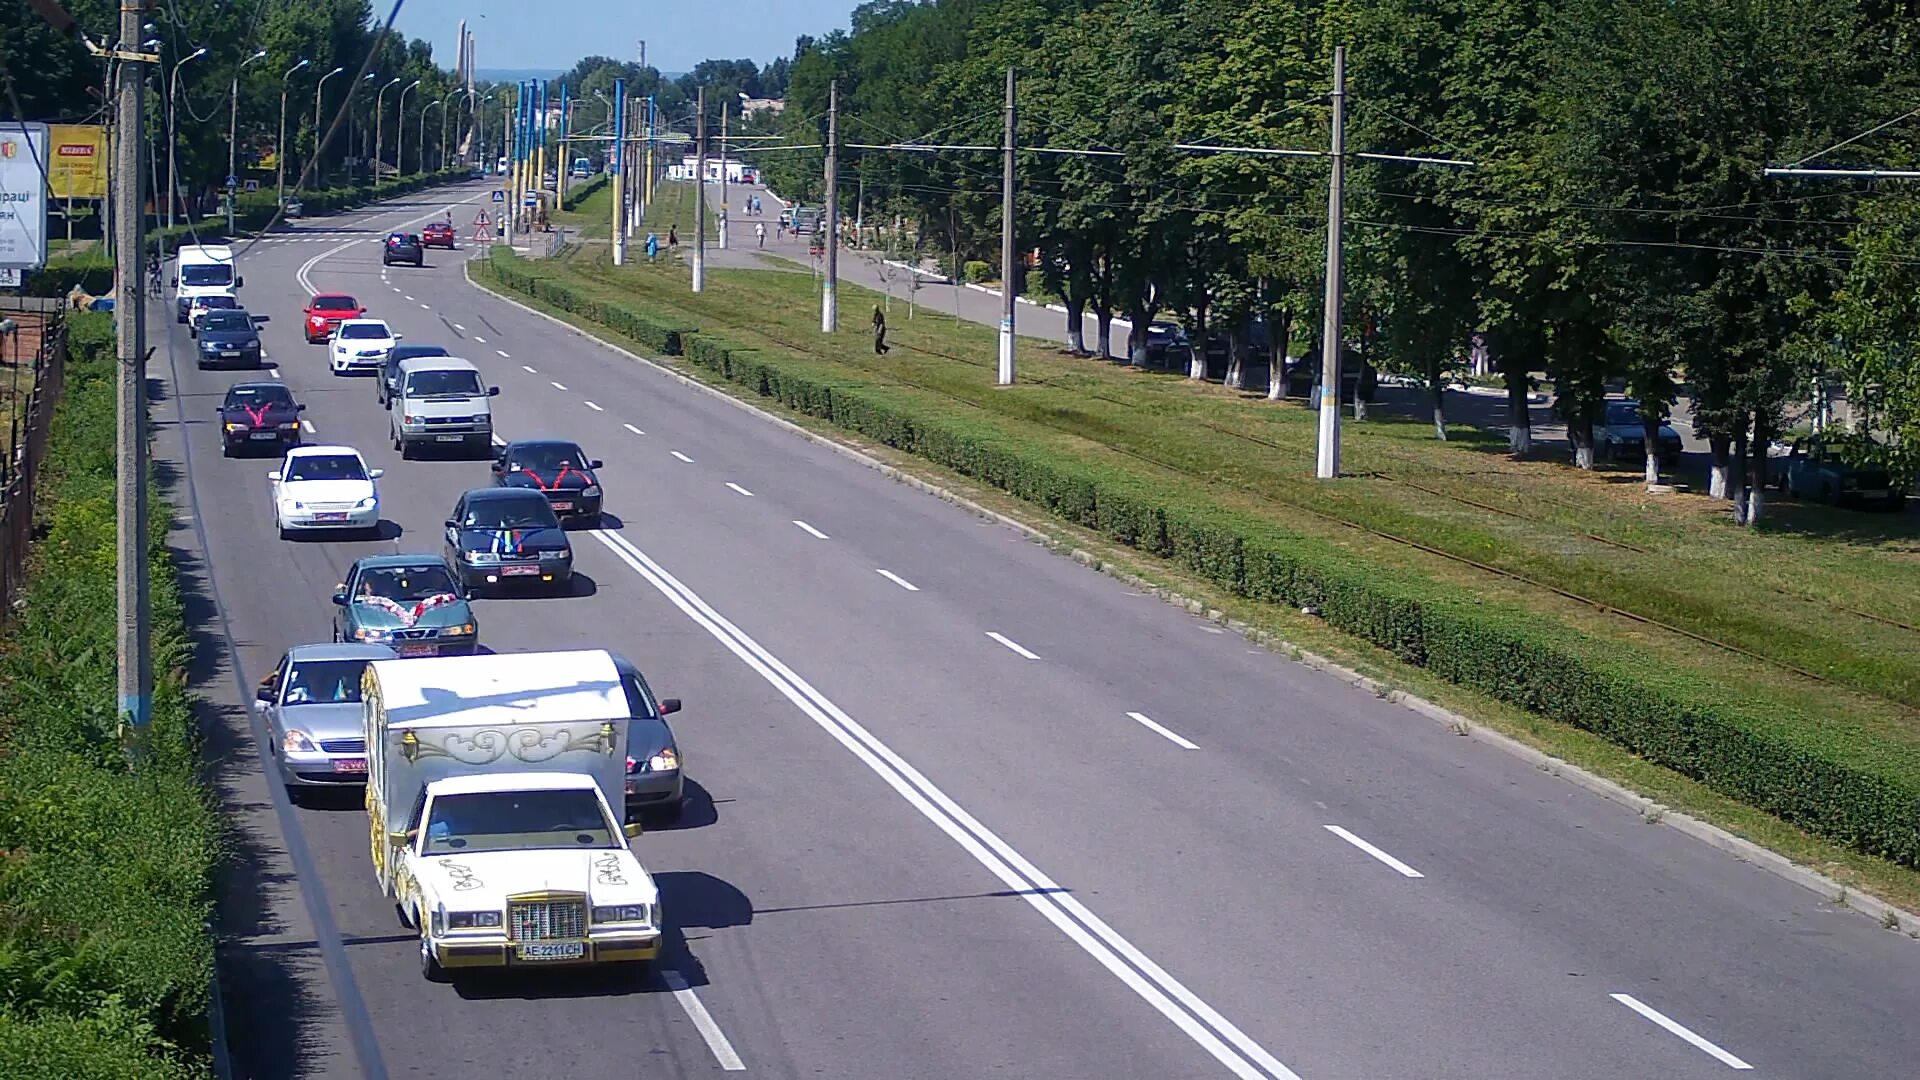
(400, 133)
(444, 114)
(173, 91)
(280, 147)
(379, 118)
(233, 130)
(317, 88)
(420, 142)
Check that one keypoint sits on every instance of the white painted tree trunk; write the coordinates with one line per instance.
(1583, 457)
(1277, 380)
(1653, 468)
(1197, 367)
(1756, 499)
(1717, 481)
(1520, 440)
(1439, 420)
(1076, 328)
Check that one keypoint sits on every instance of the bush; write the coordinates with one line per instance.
(106, 877)
(1854, 789)
(977, 272)
(522, 276)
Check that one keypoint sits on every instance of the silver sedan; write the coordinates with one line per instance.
(311, 705)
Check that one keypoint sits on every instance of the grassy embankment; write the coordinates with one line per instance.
(105, 868)
(1770, 669)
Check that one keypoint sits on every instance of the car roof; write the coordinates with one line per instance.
(317, 297)
(400, 558)
(436, 363)
(503, 494)
(382, 323)
(484, 783)
(341, 650)
(321, 449)
(565, 444)
(260, 386)
(412, 350)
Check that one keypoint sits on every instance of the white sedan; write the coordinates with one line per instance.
(324, 487)
(360, 344)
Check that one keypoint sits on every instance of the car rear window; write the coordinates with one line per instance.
(335, 303)
(272, 393)
(227, 320)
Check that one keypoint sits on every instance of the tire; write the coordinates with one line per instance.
(406, 449)
(430, 968)
(406, 916)
(226, 449)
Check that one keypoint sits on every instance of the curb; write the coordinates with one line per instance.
(1650, 811)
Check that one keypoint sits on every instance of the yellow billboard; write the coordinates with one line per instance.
(77, 161)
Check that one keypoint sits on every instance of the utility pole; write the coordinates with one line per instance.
(566, 158)
(829, 302)
(619, 178)
(1327, 462)
(700, 190)
(1006, 243)
(133, 601)
(723, 175)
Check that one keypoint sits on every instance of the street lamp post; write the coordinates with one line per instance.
(400, 133)
(420, 142)
(233, 132)
(280, 147)
(446, 114)
(173, 91)
(379, 118)
(319, 86)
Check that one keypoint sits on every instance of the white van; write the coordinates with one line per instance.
(203, 270)
(441, 400)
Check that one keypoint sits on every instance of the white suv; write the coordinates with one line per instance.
(360, 344)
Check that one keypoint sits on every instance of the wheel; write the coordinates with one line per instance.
(285, 533)
(226, 448)
(430, 968)
(406, 450)
(406, 915)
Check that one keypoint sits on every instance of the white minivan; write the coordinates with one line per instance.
(441, 401)
(203, 270)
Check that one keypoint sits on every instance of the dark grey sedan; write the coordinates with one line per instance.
(656, 785)
(314, 722)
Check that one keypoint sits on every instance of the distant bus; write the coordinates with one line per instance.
(582, 168)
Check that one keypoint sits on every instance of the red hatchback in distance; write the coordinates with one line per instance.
(326, 311)
(437, 234)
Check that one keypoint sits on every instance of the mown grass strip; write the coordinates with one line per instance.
(105, 867)
(1856, 788)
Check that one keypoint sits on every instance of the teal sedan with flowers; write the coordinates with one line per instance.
(410, 603)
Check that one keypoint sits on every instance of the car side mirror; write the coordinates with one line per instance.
(401, 836)
(299, 408)
(258, 319)
(493, 391)
(451, 524)
(397, 337)
(306, 311)
(632, 829)
(669, 706)
(264, 693)
(375, 474)
(239, 281)
(174, 283)
(274, 475)
(595, 464)
(340, 598)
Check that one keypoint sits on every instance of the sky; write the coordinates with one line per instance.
(519, 34)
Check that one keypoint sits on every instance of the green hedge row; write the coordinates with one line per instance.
(525, 276)
(93, 271)
(1850, 788)
(106, 868)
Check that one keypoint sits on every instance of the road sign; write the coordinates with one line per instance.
(482, 233)
(23, 195)
(9, 277)
(232, 181)
(253, 185)
(481, 218)
(499, 196)
(530, 199)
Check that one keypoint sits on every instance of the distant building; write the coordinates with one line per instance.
(736, 172)
(753, 106)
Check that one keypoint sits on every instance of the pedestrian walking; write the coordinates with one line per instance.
(880, 345)
(760, 232)
(653, 246)
(673, 238)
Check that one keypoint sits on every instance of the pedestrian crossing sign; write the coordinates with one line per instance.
(481, 218)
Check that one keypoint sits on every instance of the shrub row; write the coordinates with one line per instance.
(93, 271)
(105, 867)
(528, 277)
(1851, 788)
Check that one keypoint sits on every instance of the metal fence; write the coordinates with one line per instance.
(33, 345)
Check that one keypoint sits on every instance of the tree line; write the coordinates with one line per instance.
(1616, 226)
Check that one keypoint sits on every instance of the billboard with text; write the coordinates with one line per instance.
(77, 167)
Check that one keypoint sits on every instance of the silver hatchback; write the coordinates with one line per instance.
(311, 705)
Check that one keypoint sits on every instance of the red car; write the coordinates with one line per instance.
(437, 234)
(326, 311)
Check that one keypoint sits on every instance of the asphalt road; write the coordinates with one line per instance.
(961, 807)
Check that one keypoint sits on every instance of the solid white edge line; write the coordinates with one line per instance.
(1699, 1043)
(703, 1021)
(897, 580)
(1147, 979)
(1012, 644)
(811, 531)
(1402, 868)
(594, 407)
(681, 456)
(633, 429)
(740, 489)
(1159, 729)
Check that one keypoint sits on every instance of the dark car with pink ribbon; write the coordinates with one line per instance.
(260, 415)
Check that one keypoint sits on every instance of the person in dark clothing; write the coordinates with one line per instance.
(879, 331)
(673, 239)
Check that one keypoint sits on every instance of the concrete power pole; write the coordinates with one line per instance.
(1327, 464)
(1007, 254)
(700, 190)
(134, 643)
(616, 162)
(829, 300)
(723, 175)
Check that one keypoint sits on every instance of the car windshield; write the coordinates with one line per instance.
(364, 331)
(326, 467)
(444, 383)
(408, 583)
(335, 303)
(227, 320)
(207, 274)
(316, 681)
(517, 820)
(528, 513)
(1620, 413)
(545, 457)
(256, 396)
(408, 352)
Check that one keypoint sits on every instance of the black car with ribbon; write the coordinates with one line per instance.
(500, 536)
(259, 414)
(558, 469)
